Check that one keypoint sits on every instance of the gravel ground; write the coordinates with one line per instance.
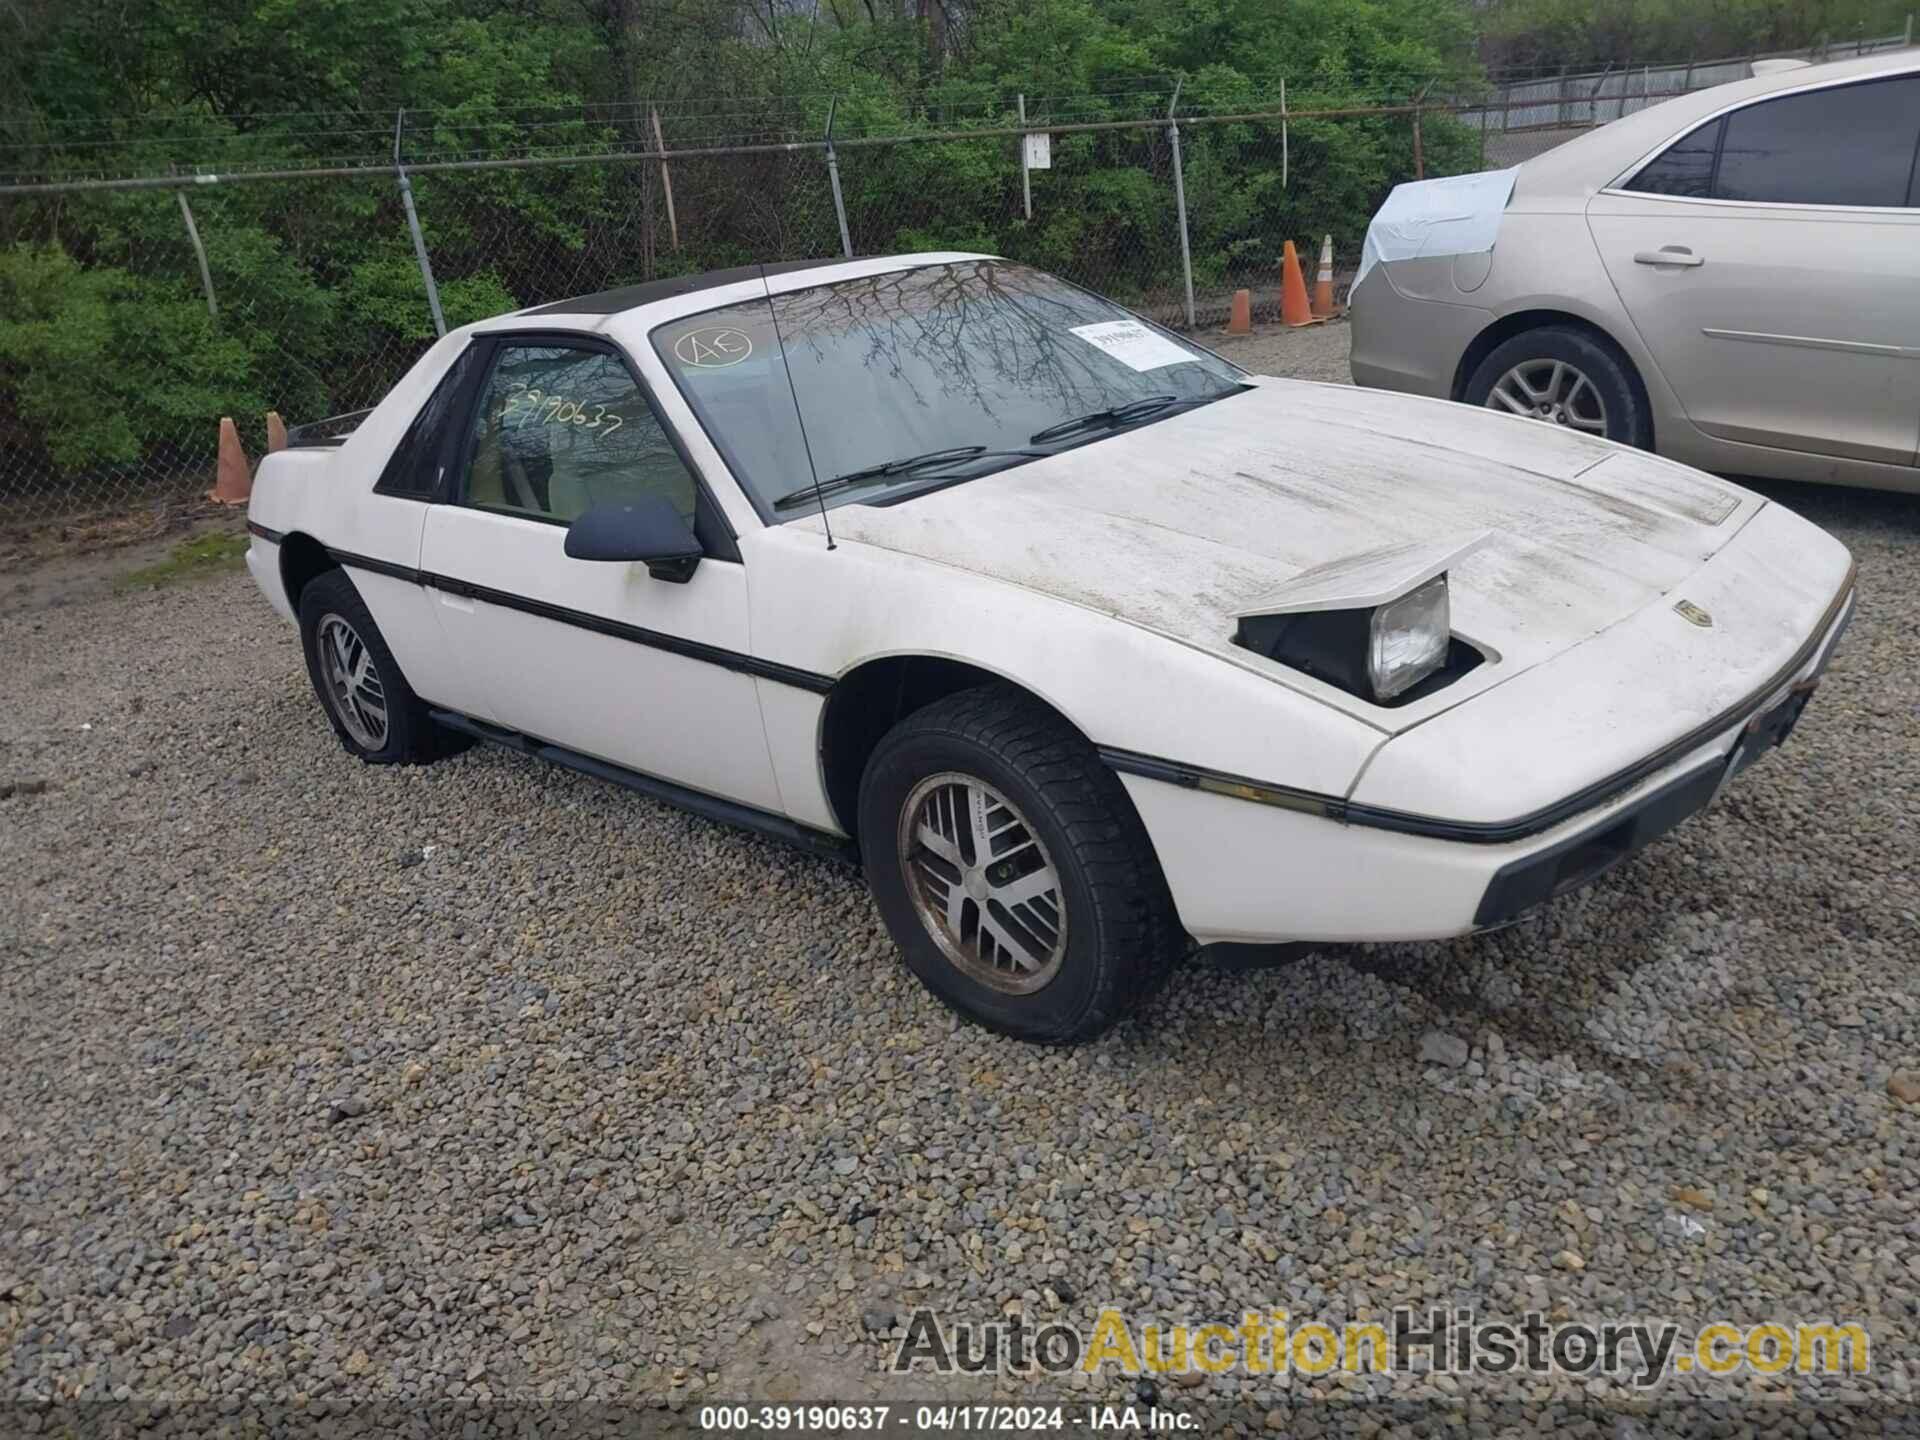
(488, 1081)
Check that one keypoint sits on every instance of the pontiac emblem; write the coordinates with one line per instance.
(1693, 614)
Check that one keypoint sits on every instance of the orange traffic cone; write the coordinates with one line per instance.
(233, 482)
(1323, 281)
(1240, 321)
(1294, 309)
(276, 432)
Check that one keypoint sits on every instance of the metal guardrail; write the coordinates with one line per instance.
(1602, 95)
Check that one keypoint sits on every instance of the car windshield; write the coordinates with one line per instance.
(914, 379)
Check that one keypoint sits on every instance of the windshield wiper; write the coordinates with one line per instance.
(1114, 415)
(907, 465)
(1118, 415)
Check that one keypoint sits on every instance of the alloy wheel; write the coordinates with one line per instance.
(1550, 390)
(353, 682)
(983, 883)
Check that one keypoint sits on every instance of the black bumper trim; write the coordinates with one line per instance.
(1578, 859)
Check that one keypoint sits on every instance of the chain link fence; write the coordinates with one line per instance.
(135, 310)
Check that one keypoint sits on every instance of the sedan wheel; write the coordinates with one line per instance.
(1550, 390)
(983, 883)
(1567, 376)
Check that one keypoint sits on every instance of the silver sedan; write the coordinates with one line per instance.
(1731, 278)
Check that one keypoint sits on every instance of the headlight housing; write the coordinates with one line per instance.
(1408, 638)
(1382, 653)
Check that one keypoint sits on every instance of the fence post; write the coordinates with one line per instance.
(1907, 38)
(1419, 155)
(200, 254)
(1180, 200)
(1283, 132)
(413, 224)
(833, 179)
(1026, 175)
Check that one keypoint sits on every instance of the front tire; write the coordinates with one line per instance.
(367, 700)
(1565, 377)
(1012, 870)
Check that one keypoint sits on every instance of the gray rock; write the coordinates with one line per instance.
(1439, 1048)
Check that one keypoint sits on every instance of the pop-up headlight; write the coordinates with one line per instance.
(1409, 638)
(1375, 625)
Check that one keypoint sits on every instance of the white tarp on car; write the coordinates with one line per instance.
(1457, 215)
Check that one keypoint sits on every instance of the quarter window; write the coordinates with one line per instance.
(562, 428)
(413, 472)
(1850, 145)
(1684, 167)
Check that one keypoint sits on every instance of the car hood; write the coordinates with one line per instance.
(1179, 525)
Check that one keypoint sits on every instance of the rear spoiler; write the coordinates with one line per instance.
(333, 430)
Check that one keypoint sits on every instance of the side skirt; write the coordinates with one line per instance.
(710, 807)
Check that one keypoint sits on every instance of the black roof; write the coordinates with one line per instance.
(627, 297)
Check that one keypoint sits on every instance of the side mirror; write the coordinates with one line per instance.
(648, 530)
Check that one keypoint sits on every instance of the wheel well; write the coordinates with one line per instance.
(870, 700)
(301, 558)
(1508, 326)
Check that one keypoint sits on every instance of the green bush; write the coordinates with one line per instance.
(105, 364)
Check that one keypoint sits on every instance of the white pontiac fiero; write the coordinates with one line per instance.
(1088, 644)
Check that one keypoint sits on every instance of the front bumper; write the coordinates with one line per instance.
(1582, 858)
(1245, 872)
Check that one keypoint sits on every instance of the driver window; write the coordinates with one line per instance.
(561, 429)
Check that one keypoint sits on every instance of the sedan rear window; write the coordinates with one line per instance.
(1850, 145)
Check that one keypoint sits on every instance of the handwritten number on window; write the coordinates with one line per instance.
(559, 410)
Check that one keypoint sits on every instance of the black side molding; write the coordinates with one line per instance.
(653, 639)
(377, 567)
(711, 807)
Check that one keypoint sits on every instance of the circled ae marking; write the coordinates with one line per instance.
(713, 348)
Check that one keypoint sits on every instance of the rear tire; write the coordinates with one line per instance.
(1012, 869)
(366, 699)
(1518, 377)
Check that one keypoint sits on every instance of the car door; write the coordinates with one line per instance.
(1770, 259)
(595, 656)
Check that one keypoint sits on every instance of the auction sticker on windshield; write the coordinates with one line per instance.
(1132, 343)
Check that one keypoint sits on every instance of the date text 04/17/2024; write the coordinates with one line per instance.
(959, 1419)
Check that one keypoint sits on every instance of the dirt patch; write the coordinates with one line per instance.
(54, 565)
(1315, 352)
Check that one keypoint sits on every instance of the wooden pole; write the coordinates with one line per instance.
(666, 178)
(1283, 132)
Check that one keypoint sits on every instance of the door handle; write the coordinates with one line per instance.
(1668, 255)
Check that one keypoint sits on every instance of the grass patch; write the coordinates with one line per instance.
(214, 553)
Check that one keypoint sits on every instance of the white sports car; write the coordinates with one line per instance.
(1087, 644)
